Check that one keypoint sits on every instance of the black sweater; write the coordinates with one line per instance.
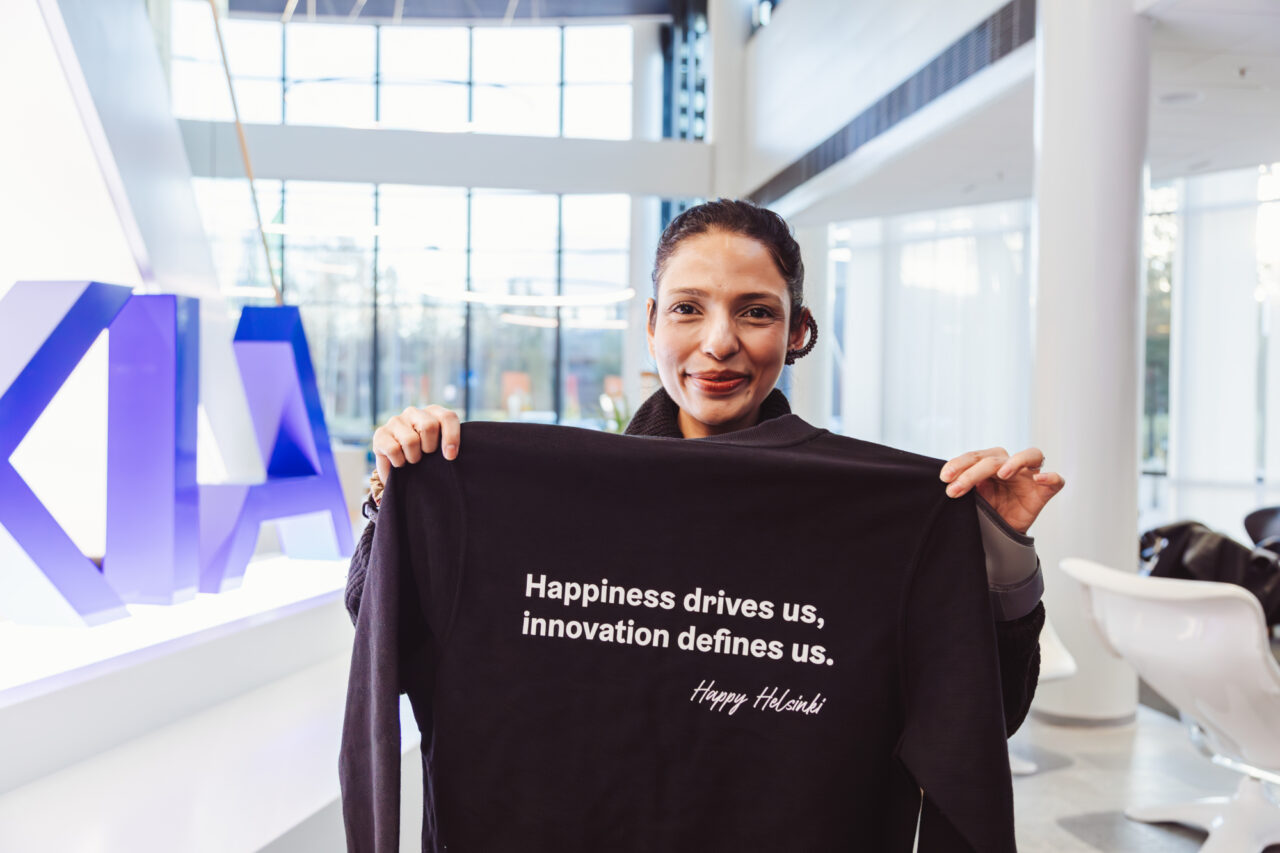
(771, 639)
(1018, 640)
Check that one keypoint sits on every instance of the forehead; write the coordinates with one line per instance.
(724, 264)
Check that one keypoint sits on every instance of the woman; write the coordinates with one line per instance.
(726, 313)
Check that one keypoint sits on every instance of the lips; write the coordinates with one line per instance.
(718, 382)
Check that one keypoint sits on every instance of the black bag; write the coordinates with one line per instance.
(1189, 550)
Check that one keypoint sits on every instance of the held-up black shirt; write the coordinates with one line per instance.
(771, 639)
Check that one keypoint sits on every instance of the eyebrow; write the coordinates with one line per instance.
(743, 297)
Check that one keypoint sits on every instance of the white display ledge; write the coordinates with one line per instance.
(208, 725)
(69, 693)
(260, 770)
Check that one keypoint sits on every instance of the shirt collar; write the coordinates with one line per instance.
(658, 417)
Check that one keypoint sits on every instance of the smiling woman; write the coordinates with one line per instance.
(727, 311)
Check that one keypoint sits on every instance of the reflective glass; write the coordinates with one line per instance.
(595, 266)
(422, 242)
(512, 363)
(340, 337)
(423, 78)
(330, 73)
(597, 111)
(513, 243)
(227, 212)
(420, 356)
(328, 255)
(597, 54)
(422, 269)
(516, 75)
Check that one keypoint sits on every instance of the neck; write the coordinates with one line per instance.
(691, 427)
(659, 415)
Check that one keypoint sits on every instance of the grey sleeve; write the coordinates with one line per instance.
(360, 561)
(369, 753)
(1013, 567)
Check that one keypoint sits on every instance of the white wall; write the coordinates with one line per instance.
(1219, 401)
(821, 62)
(936, 354)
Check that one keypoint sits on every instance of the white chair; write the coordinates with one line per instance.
(1055, 663)
(1204, 647)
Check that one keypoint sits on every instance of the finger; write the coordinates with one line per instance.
(956, 464)
(973, 475)
(1031, 458)
(1052, 479)
(426, 426)
(450, 431)
(385, 447)
(959, 464)
(407, 437)
(383, 465)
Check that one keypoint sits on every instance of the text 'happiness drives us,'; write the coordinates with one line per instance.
(718, 603)
(626, 632)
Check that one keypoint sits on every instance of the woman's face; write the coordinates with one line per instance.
(721, 332)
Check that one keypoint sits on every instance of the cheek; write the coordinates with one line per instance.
(768, 345)
(671, 341)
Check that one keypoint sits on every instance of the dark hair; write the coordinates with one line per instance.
(738, 217)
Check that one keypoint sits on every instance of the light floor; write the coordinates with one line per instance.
(1087, 776)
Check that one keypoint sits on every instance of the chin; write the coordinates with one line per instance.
(718, 412)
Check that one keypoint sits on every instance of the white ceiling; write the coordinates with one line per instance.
(1215, 104)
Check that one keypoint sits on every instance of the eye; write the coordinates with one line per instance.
(759, 312)
(676, 308)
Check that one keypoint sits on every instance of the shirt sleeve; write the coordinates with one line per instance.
(357, 570)
(1013, 568)
(953, 739)
(1019, 643)
(389, 653)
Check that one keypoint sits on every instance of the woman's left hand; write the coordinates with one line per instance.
(1013, 485)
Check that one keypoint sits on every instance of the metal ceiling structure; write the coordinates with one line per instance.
(426, 10)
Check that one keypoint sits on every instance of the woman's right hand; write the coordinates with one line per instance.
(413, 432)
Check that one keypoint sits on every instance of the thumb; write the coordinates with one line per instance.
(384, 467)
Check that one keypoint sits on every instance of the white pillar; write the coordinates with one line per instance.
(646, 123)
(729, 23)
(810, 380)
(862, 368)
(645, 214)
(1092, 72)
(646, 80)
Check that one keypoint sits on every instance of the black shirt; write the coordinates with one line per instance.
(770, 639)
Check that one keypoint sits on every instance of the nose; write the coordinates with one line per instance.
(721, 338)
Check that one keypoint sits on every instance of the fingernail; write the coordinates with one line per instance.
(945, 476)
(951, 490)
(1003, 473)
(450, 451)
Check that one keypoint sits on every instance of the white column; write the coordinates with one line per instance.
(646, 80)
(1092, 72)
(646, 123)
(810, 391)
(645, 215)
(729, 23)
(862, 387)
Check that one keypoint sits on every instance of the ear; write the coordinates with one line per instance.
(796, 339)
(649, 307)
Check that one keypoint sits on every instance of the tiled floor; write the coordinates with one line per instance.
(1087, 776)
